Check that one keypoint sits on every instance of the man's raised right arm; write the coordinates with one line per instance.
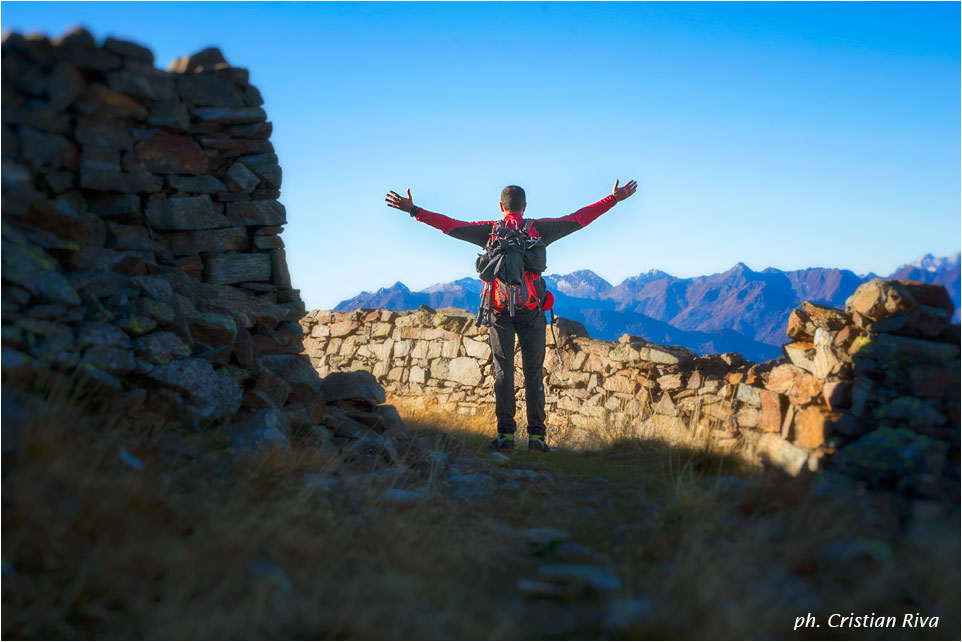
(472, 232)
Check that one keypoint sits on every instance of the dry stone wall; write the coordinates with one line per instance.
(142, 243)
(861, 386)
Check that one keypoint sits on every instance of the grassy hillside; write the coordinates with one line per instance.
(113, 526)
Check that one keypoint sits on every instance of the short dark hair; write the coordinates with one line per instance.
(512, 198)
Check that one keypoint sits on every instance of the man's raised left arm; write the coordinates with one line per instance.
(552, 229)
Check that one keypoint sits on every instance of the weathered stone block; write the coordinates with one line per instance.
(280, 274)
(212, 395)
(256, 213)
(800, 353)
(237, 268)
(812, 427)
(772, 411)
(209, 90)
(837, 394)
(749, 394)
(669, 355)
(800, 386)
(225, 239)
(620, 383)
(170, 115)
(142, 81)
(359, 385)
(229, 115)
(129, 49)
(829, 360)
(103, 132)
(190, 213)
(782, 454)
(166, 153)
(265, 166)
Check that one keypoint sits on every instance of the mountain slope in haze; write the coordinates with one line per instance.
(756, 304)
(738, 310)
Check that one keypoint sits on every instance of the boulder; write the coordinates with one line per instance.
(241, 178)
(668, 355)
(800, 386)
(358, 385)
(272, 388)
(900, 352)
(266, 429)
(110, 359)
(910, 411)
(161, 347)
(264, 166)
(341, 424)
(800, 326)
(296, 371)
(142, 81)
(782, 454)
(465, 371)
(922, 321)
(212, 329)
(209, 90)
(939, 382)
(837, 394)
(800, 353)
(892, 455)
(129, 49)
(878, 299)
(831, 319)
(568, 328)
(812, 427)
(29, 267)
(829, 360)
(205, 59)
(212, 395)
(749, 394)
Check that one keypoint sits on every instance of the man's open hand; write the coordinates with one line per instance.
(397, 201)
(620, 193)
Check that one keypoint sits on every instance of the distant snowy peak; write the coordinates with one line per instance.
(649, 276)
(467, 284)
(931, 263)
(580, 284)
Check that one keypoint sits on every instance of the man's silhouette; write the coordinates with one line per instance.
(527, 322)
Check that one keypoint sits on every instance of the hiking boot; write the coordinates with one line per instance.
(536, 443)
(503, 442)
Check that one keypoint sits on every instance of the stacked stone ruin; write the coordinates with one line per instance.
(142, 245)
(874, 388)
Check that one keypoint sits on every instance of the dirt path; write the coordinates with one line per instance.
(643, 540)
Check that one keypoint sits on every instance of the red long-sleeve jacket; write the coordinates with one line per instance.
(549, 229)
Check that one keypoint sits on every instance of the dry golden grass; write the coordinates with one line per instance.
(203, 544)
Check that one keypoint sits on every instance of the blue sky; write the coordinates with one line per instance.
(786, 135)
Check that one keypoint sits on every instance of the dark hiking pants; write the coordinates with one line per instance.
(530, 328)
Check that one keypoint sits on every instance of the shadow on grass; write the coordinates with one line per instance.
(118, 525)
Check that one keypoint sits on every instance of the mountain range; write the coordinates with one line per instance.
(739, 310)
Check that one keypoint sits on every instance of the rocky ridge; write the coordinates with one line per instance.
(142, 248)
(871, 391)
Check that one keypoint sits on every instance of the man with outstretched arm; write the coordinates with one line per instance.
(525, 322)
